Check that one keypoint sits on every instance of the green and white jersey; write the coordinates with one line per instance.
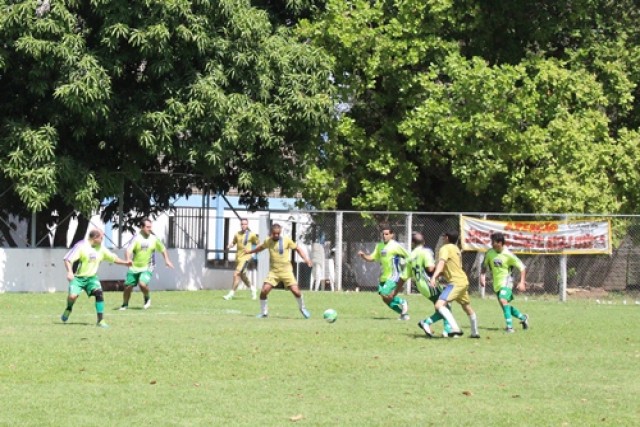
(421, 259)
(501, 265)
(89, 257)
(143, 250)
(392, 258)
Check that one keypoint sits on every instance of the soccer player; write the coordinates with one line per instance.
(420, 267)
(392, 258)
(243, 239)
(89, 253)
(141, 250)
(501, 261)
(457, 288)
(280, 268)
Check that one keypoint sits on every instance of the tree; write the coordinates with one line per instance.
(146, 100)
(490, 106)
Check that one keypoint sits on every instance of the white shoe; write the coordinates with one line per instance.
(254, 297)
(147, 304)
(123, 307)
(227, 297)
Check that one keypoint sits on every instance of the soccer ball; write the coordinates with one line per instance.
(330, 315)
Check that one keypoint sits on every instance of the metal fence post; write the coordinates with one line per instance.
(409, 225)
(338, 252)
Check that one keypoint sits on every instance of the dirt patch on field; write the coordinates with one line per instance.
(587, 293)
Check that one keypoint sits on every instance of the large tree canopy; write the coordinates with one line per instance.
(145, 100)
(481, 106)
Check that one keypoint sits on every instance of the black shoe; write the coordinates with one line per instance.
(477, 336)
(525, 322)
(455, 334)
(425, 328)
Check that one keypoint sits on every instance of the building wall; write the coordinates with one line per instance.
(42, 270)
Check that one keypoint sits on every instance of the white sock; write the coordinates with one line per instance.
(264, 307)
(474, 324)
(446, 313)
(232, 292)
(300, 302)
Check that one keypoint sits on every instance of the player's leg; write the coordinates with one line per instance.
(130, 282)
(240, 265)
(143, 283)
(94, 289)
(387, 291)
(524, 318)
(449, 293)
(75, 287)
(504, 297)
(268, 284)
(290, 282)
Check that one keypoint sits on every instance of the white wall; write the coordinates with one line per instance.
(42, 270)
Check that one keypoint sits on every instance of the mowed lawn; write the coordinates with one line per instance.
(194, 359)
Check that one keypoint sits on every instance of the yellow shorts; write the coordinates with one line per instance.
(460, 294)
(286, 277)
(242, 265)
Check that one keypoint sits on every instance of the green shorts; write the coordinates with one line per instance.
(387, 288)
(505, 293)
(133, 278)
(87, 284)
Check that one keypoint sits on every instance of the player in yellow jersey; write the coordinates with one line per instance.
(449, 265)
(244, 238)
(280, 268)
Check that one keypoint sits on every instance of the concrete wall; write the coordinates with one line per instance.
(42, 270)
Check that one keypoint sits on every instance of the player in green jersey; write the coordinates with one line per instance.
(392, 258)
(280, 268)
(419, 268)
(141, 250)
(244, 238)
(88, 253)
(449, 265)
(501, 261)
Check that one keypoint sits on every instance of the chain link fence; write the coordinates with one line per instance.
(340, 235)
(590, 276)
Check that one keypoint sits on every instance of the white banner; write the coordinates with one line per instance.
(538, 237)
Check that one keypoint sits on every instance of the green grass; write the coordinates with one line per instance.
(194, 359)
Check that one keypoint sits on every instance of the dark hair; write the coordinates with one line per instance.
(275, 227)
(144, 220)
(386, 227)
(497, 237)
(452, 235)
(417, 238)
(94, 233)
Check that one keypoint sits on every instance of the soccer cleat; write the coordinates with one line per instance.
(525, 322)
(227, 297)
(404, 317)
(147, 304)
(456, 334)
(65, 315)
(254, 296)
(102, 324)
(425, 328)
(509, 330)
(476, 336)
(123, 307)
(305, 313)
(262, 315)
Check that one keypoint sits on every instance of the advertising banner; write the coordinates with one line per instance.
(538, 237)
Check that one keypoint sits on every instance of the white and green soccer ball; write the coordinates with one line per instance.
(330, 315)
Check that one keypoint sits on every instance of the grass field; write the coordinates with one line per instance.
(194, 359)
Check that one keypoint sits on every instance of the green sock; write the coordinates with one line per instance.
(516, 313)
(507, 315)
(396, 304)
(99, 307)
(434, 318)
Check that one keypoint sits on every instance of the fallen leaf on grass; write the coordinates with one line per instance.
(296, 418)
(467, 393)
